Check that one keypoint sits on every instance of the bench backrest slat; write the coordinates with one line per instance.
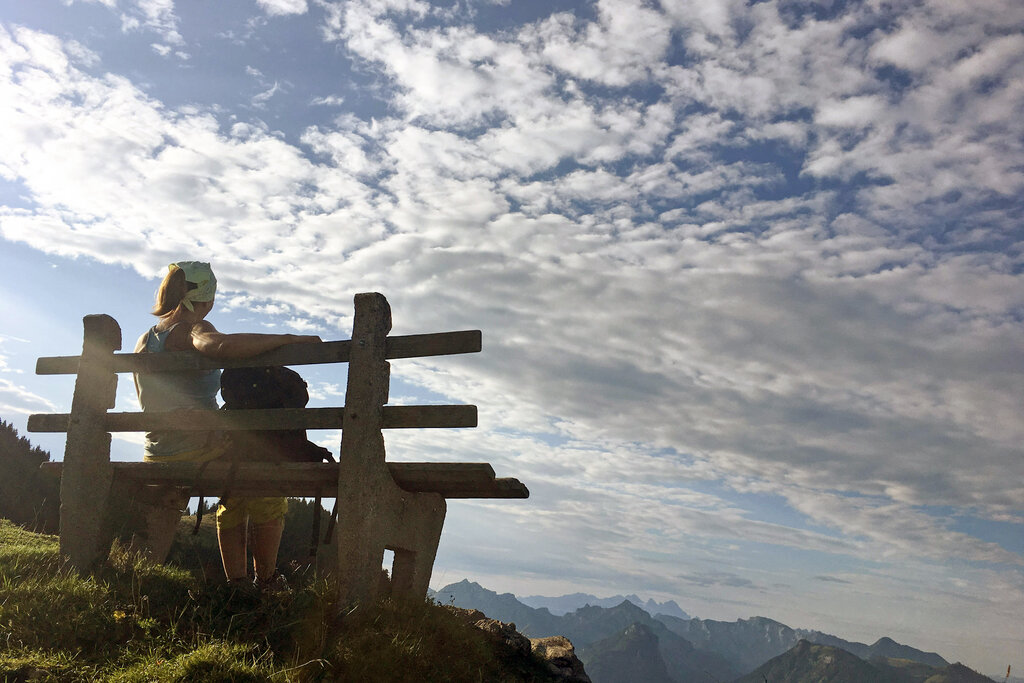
(409, 346)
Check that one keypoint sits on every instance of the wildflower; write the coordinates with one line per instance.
(119, 615)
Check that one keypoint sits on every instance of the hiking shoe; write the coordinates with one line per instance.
(239, 595)
(275, 584)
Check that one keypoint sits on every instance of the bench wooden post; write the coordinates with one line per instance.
(374, 514)
(85, 485)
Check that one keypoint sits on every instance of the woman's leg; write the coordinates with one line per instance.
(161, 510)
(231, 535)
(267, 518)
(232, 551)
(265, 543)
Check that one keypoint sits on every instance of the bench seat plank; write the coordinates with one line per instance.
(306, 480)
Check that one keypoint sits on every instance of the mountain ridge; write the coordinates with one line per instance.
(809, 662)
(752, 641)
(691, 648)
(563, 604)
(589, 625)
(631, 655)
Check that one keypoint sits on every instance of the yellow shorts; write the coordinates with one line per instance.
(235, 511)
(213, 449)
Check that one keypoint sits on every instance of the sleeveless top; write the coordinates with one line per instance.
(177, 391)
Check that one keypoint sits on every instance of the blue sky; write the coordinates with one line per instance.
(749, 273)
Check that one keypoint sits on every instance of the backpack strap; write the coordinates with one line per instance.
(331, 523)
(199, 515)
(333, 519)
(202, 499)
(314, 540)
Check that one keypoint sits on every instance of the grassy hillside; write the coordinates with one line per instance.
(134, 621)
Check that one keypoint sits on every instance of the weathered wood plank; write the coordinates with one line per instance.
(85, 536)
(395, 417)
(422, 417)
(451, 480)
(437, 344)
(48, 422)
(508, 487)
(409, 346)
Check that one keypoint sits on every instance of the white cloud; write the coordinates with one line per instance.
(260, 99)
(283, 7)
(618, 49)
(712, 19)
(328, 101)
(15, 398)
(344, 149)
(852, 112)
(155, 15)
(913, 48)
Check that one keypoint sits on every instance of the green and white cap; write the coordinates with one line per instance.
(201, 274)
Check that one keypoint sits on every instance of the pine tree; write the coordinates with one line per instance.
(27, 497)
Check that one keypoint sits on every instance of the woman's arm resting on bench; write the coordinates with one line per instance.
(209, 342)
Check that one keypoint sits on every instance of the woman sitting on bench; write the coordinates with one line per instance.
(183, 301)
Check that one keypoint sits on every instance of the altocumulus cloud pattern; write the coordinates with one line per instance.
(749, 273)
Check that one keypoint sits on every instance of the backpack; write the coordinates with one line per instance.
(265, 388)
(268, 388)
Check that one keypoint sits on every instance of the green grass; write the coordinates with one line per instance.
(132, 621)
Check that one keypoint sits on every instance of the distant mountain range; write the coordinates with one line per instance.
(622, 643)
(589, 625)
(812, 663)
(751, 642)
(570, 603)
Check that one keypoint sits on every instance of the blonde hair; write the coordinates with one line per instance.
(172, 290)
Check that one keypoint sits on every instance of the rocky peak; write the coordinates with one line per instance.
(555, 654)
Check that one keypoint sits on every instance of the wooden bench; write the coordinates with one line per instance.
(381, 505)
